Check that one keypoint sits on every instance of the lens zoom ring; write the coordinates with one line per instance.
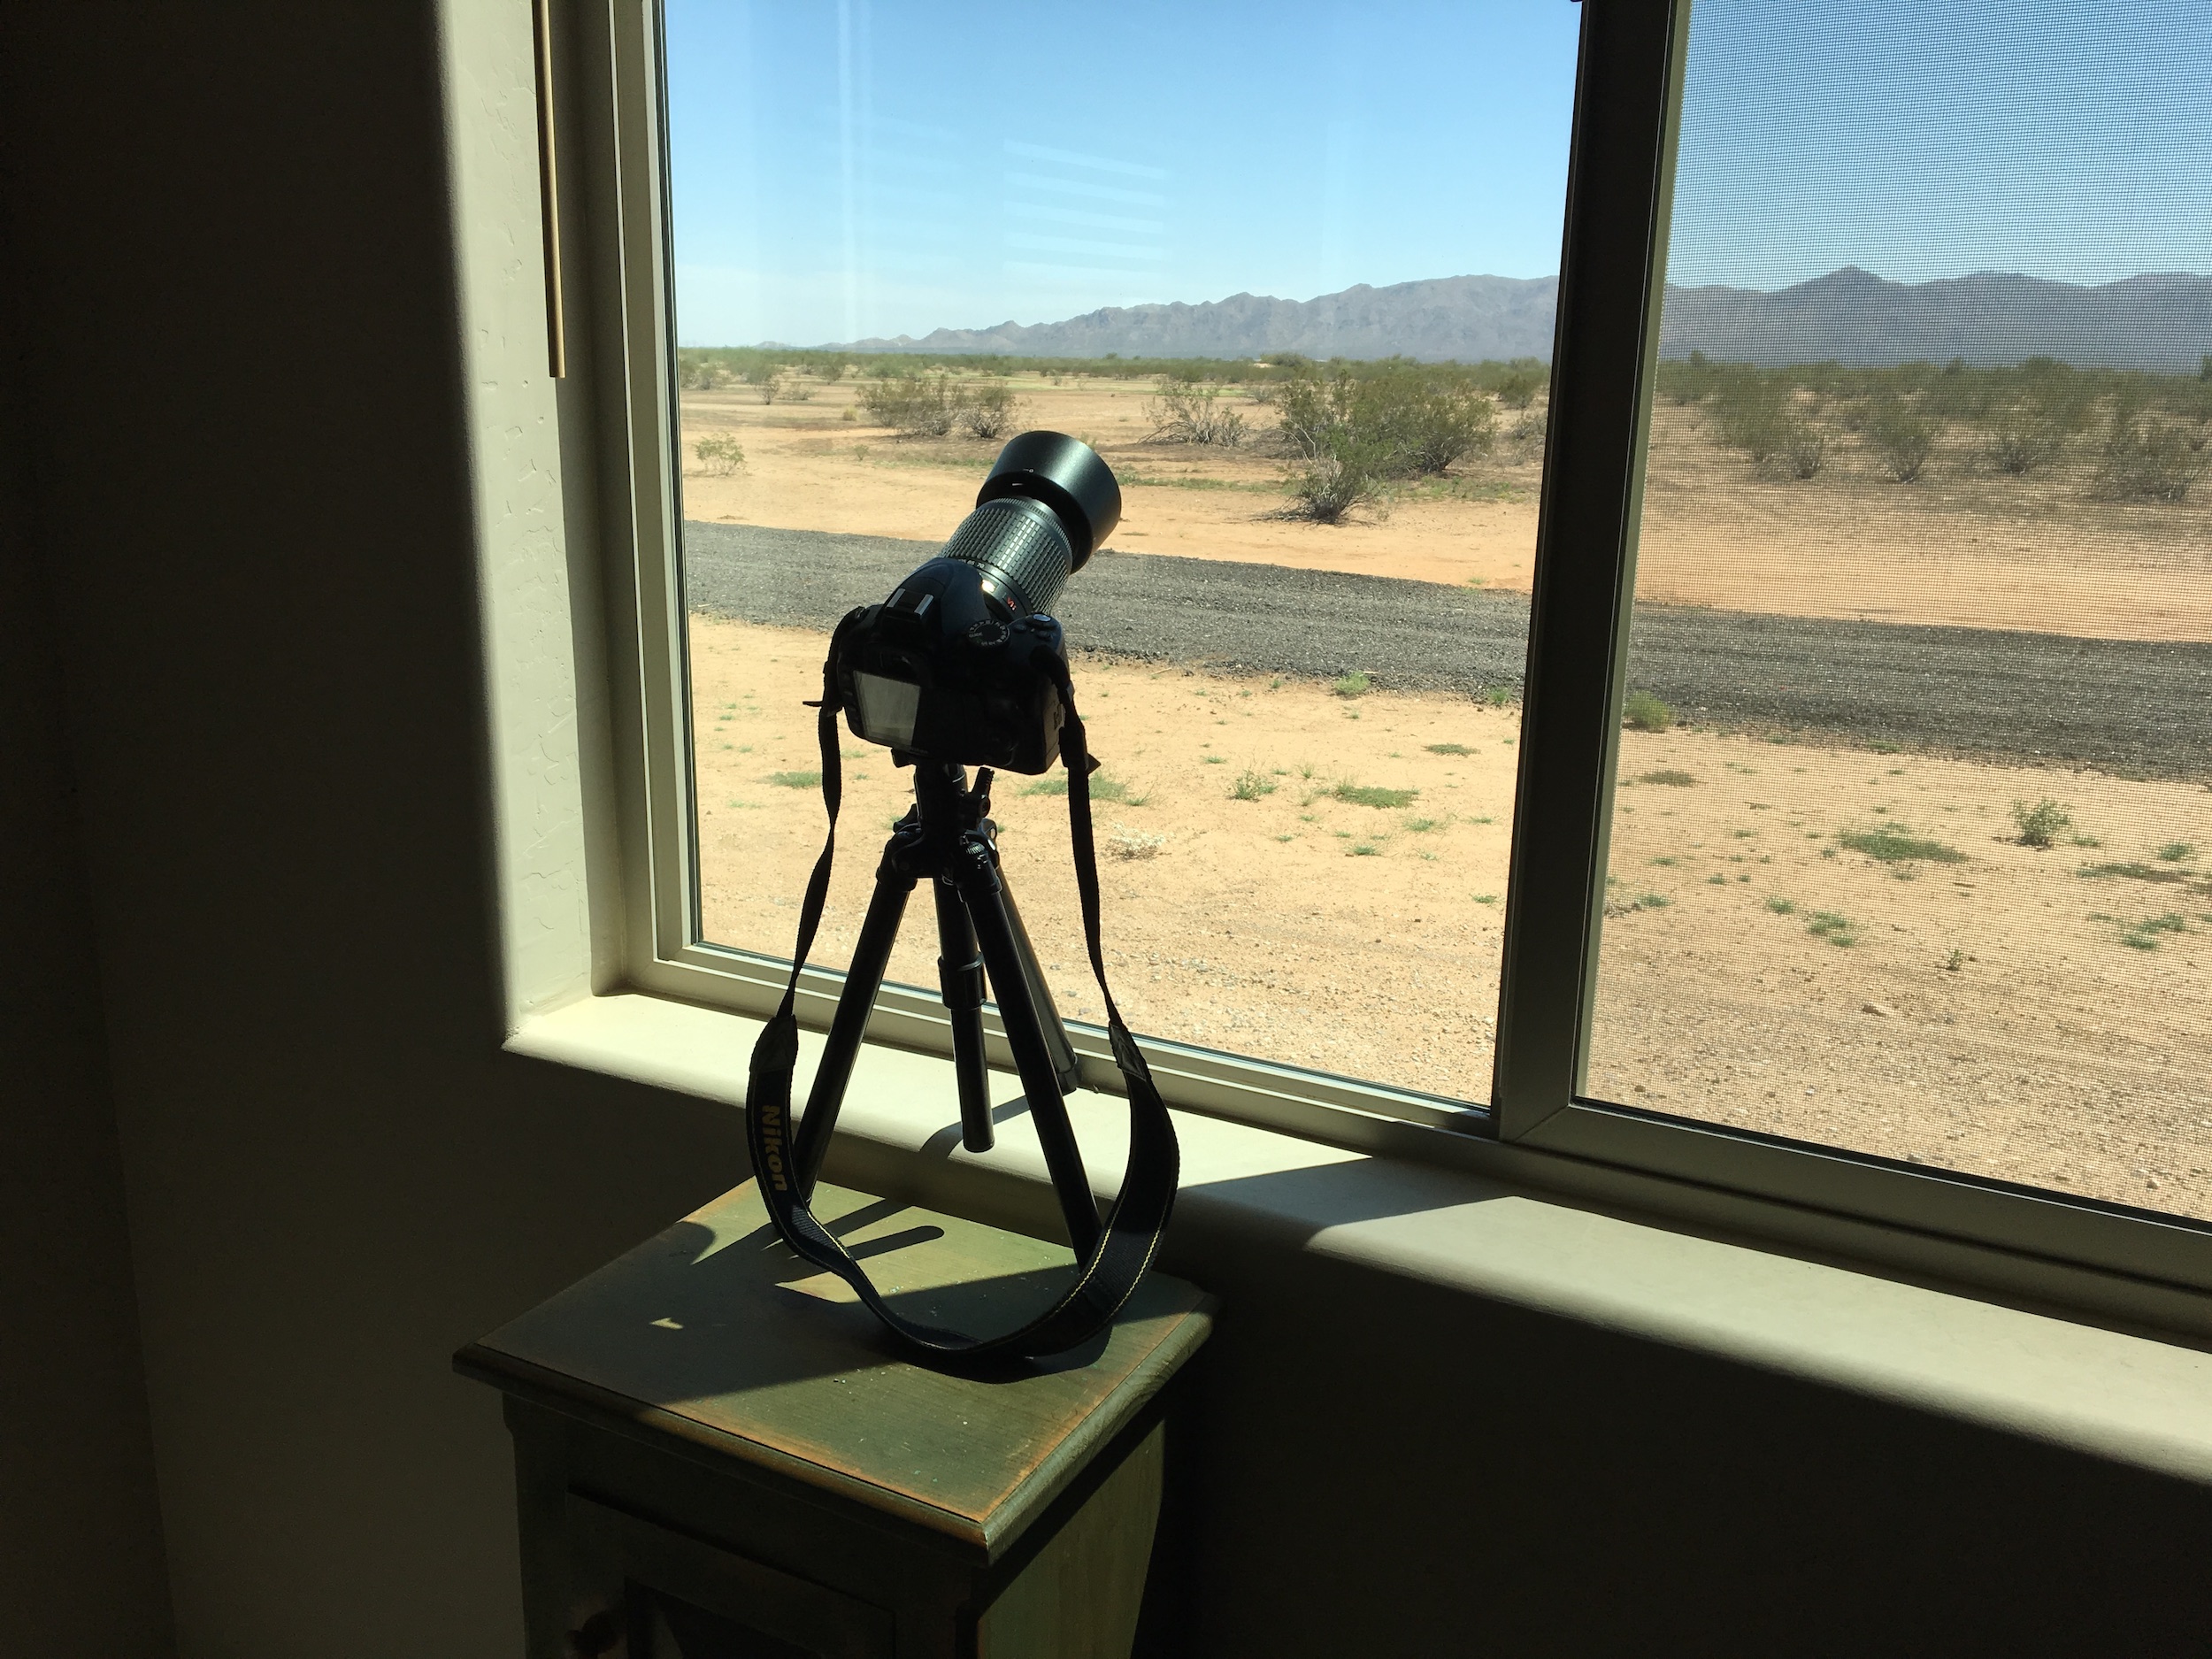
(1018, 543)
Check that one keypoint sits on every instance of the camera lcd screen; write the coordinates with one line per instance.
(887, 708)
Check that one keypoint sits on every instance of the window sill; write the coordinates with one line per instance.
(2106, 1393)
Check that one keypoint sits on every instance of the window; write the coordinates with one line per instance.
(1766, 757)
(1301, 653)
(1911, 847)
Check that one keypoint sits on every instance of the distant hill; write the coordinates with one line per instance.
(1467, 317)
(1852, 316)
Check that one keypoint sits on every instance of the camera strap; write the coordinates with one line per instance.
(1140, 1213)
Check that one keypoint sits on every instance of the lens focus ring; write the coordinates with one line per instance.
(1020, 545)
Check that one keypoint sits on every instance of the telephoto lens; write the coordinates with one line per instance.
(1047, 504)
(947, 667)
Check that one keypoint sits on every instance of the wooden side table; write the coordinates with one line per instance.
(719, 1455)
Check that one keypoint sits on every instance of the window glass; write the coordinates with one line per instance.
(1912, 844)
(1291, 269)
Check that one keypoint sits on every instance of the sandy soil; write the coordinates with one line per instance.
(1988, 1014)
(1964, 547)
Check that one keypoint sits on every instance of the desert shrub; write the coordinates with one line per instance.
(1833, 927)
(1752, 411)
(1673, 776)
(1344, 475)
(1425, 423)
(1686, 380)
(1902, 437)
(2144, 935)
(1188, 411)
(1517, 386)
(830, 370)
(2040, 825)
(988, 411)
(1403, 419)
(913, 406)
(1355, 684)
(2020, 441)
(766, 377)
(1251, 784)
(1313, 412)
(720, 453)
(1894, 843)
(1646, 713)
(2147, 458)
(1449, 748)
(795, 780)
(1134, 843)
(1803, 449)
(1370, 794)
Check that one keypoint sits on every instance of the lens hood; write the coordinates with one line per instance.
(1066, 475)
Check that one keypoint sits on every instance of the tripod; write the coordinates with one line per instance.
(947, 839)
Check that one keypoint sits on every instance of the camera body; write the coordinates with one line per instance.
(962, 663)
(938, 670)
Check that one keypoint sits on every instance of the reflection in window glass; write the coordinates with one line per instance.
(1912, 842)
(1291, 269)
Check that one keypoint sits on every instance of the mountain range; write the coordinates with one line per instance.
(1850, 316)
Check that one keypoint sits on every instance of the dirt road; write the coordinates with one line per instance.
(2135, 707)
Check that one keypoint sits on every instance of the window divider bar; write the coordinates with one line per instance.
(1605, 339)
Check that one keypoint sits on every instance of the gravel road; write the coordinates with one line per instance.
(2143, 709)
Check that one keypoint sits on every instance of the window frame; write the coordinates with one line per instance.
(1540, 1127)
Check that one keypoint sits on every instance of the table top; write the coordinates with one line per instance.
(715, 1334)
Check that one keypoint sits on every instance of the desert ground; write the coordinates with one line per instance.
(1963, 547)
(2037, 1014)
(1755, 968)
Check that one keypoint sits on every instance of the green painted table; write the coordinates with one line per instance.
(719, 1455)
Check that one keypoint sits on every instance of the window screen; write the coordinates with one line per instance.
(1912, 840)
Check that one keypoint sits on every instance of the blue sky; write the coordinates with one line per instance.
(846, 168)
(879, 166)
(1934, 138)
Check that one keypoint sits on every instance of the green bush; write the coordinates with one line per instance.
(1251, 784)
(1355, 684)
(1646, 712)
(721, 454)
(2040, 824)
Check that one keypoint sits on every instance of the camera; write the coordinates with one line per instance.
(963, 663)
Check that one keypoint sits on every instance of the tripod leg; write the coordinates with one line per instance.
(995, 934)
(960, 975)
(1048, 1020)
(872, 955)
